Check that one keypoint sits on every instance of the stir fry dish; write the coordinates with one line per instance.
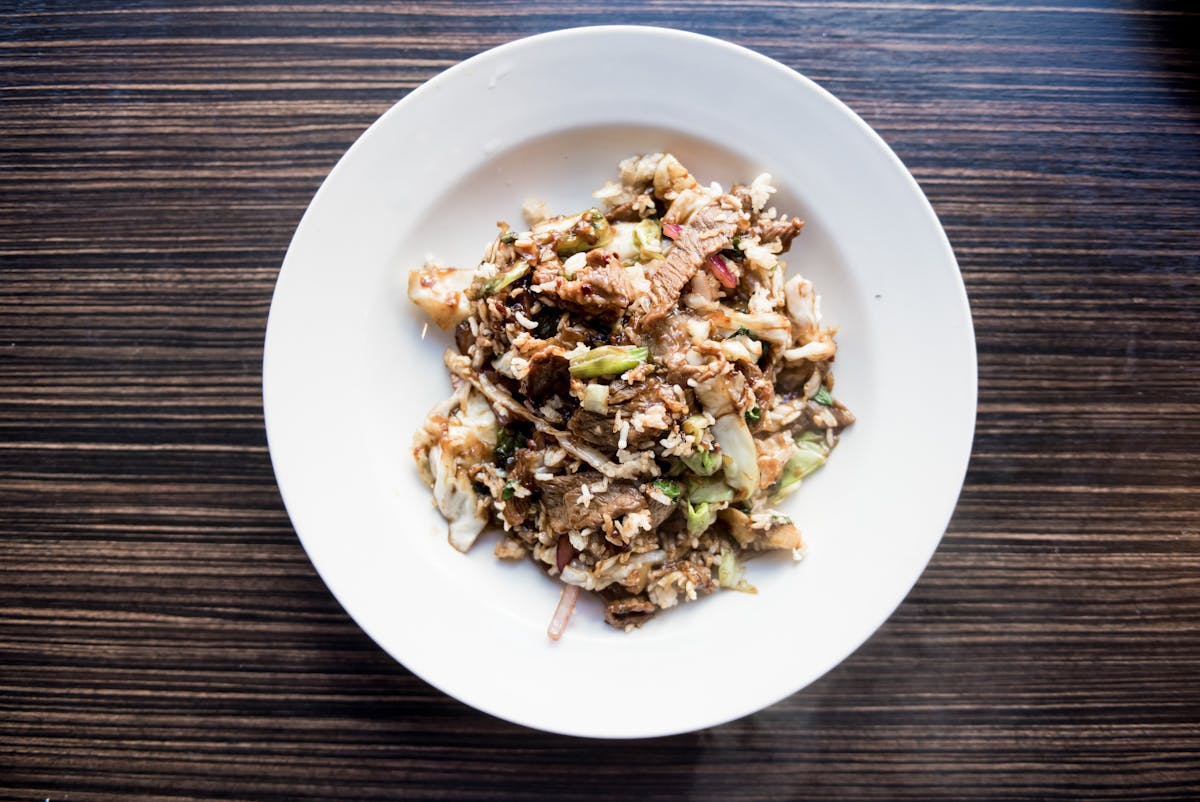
(636, 387)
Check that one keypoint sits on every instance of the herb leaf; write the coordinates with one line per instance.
(670, 489)
(508, 441)
(743, 330)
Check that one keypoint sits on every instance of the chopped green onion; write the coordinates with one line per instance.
(508, 238)
(510, 488)
(700, 517)
(822, 396)
(499, 282)
(702, 462)
(754, 414)
(608, 360)
(668, 488)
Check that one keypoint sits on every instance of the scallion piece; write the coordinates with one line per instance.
(669, 488)
(499, 282)
(608, 360)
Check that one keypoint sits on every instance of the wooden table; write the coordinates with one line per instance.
(162, 634)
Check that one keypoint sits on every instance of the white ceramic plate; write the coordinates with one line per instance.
(347, 377)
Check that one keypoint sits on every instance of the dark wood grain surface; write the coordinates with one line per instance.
(162, 634)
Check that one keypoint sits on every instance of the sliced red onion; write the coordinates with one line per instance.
(722, 270)
(565, 553)
(671, 230)
(562, 613)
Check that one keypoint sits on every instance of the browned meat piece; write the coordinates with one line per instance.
(669, 342)
(595, 429)
(843, 416)
(760, 385)
(561, 500)
(549, 375)
(630, 610)
(516, 510)
(791, 377)
(674, 539)
(697, 575)
(708, 232)
(463, 338)
(742, 193)
(630, 398)
(814, 412)
(576, 332)
(660, 512)
(624, 213)
(521, 468)
(523, 465)
(782, 230)
(622, 392)
(599, 289)
(634, 397)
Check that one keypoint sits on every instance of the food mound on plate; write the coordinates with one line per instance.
(636, 386)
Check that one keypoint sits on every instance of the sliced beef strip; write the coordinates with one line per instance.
(597, 430)
(549, 375)
(629, 398)
(708, 232)
(792, 376)
(698, 575)
(843, 416)
(759, 384)
(524, 463)
(782, 231)
(600, 289)
(560, 499)
(660, 512)
(638, 396)
(464, 338)
(623, 213)
(521, 467)
(594, 429)
(577, 331)
(669, 342)
(812, 410)
(516, 511)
